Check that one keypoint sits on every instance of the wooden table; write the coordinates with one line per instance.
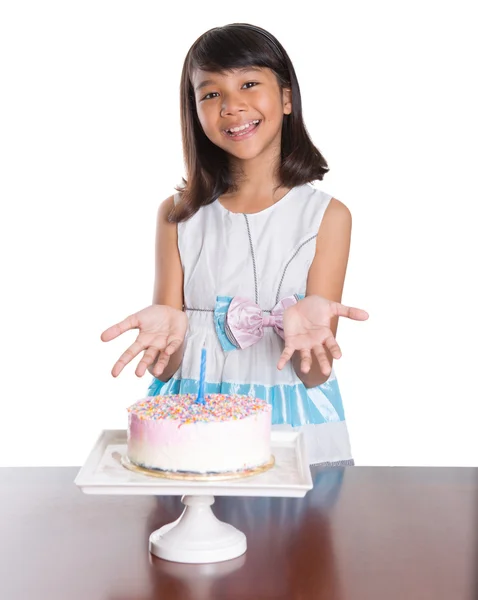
(361, 534)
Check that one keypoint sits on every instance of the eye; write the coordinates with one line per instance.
(210, 95)
(250, 84)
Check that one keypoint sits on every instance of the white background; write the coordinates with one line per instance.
(90, 145)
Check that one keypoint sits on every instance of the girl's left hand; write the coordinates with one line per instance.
(307, 330)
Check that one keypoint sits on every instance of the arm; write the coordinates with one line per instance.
(327, 275)
(168, 281)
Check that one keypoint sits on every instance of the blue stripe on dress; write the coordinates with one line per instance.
(291, 404)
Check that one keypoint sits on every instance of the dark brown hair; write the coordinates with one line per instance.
(208, 174)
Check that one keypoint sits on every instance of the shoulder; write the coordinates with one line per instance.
(166, 215)
(316, 201)
(165, 209)
(327, 272)
(337, 217)
(166, 229)
(326, 213)
(171, 208)
(338, 210)
(335, 231)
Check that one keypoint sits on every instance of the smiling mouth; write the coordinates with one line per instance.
(243, 130)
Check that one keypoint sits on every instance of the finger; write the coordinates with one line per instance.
(322, 359)
(357, 314)
(161, 364)
(127, 357)
(148, 359)
(151, 355)
(305, 360)
(172, 345)
(333, 347)
(285, 357)
(114, 331)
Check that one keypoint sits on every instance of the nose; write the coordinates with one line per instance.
(232, 104)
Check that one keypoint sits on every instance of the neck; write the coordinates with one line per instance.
(257, 181)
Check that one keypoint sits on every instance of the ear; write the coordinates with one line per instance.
(287, 100)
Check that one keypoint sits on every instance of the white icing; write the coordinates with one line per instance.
(200, 447)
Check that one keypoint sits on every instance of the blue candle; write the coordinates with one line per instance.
(202, 378)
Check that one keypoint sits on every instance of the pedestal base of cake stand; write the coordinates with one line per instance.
(197, 536)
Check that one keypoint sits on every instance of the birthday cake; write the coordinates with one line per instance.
(177, 433)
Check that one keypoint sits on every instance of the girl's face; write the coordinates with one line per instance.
(241, 111)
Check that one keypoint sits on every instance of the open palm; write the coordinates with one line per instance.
(161, 332)
(307, 330)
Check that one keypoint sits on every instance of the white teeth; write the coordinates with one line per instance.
(241, 127)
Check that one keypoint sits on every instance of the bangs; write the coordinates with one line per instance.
(228, 48)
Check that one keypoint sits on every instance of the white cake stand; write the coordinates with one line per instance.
(197, 536)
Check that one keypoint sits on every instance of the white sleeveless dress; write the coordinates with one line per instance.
(264, 257)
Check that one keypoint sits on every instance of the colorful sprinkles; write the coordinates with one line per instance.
(184, 408)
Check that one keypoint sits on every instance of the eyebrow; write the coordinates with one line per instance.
(207, 82)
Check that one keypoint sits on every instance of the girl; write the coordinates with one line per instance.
(250, 258)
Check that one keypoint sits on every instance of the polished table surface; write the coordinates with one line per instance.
(362, 533)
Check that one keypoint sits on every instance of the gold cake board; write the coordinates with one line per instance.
(183, 476)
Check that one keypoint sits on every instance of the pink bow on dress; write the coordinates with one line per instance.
(245, 320)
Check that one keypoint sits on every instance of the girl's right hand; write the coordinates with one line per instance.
(161, 332)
